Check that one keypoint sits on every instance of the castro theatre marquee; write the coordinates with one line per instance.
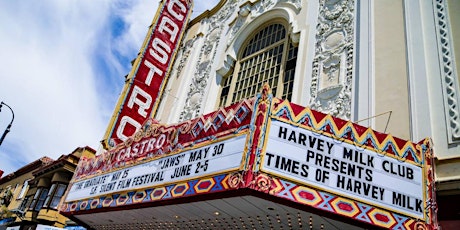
(260, 163)
(240, 165)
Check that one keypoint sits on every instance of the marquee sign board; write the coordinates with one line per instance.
(215, 158)
(272, 146)
(342, 168)
(140, 97)
(160, 154)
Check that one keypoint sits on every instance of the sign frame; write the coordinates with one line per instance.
(337, 192)
(244, 139)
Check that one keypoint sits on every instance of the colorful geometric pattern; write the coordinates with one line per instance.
(338, 205)
(226, 121)
(347, 131)
(419, 154)
(208, 185)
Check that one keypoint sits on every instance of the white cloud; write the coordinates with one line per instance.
(48, 79)
(52, 76)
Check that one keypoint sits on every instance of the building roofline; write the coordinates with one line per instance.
(27, 168)
(207, 13)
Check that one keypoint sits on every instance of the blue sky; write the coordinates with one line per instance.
(62, 68)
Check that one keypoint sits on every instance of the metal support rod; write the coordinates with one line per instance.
(388, 120)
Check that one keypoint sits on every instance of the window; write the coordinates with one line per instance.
(24, 188)
(268, 57)
(25, 203)
(54, 195)
(39, 199)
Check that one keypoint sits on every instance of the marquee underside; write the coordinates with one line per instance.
(241, 212)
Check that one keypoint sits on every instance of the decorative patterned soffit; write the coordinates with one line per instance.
(448, 73)
(333, 62)
(193, 104)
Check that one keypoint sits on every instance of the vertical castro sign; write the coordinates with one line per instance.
(139, 99)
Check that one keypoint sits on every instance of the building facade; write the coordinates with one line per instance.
(13, 189)
(389, 65)
(386, 66)
(36, 202)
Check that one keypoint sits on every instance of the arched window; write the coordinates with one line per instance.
(268, 57)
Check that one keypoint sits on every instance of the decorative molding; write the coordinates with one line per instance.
(251, 11)
(195, 95)
(229, 63)
(235, 26)
(296, 3)
(262, 6)
(265, 5)
(333, 62)
(295, 38)
(448, 72)
(183, 55)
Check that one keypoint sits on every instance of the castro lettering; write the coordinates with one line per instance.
(145, 85)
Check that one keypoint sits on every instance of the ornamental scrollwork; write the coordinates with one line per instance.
(332, 68)
(251, 11)
(183, 55)
(195, 95)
